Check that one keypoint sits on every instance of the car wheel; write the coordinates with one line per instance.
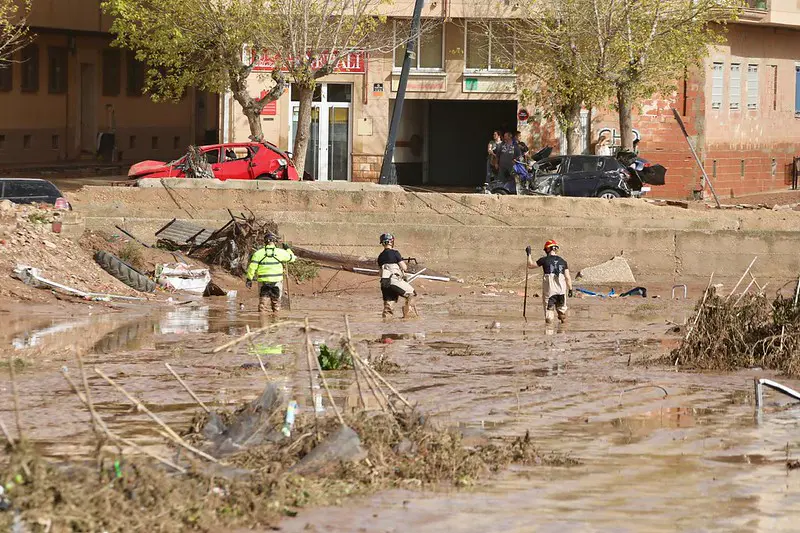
(124, 272)
(609, 194)
(499, 191)
(265, 177)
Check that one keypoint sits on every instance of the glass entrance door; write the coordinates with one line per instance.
(328, 155)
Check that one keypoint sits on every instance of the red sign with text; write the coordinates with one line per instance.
(353, 63)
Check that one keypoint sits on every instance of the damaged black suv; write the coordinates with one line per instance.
(621, 176)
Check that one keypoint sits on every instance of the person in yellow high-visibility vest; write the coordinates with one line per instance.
(266, 267)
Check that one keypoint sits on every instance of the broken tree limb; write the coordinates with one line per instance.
(309, 350)
(743, 276)
(699, 311)
(352, 350)
(696, 158)
(322, 375)
(249, 334)
(113, 436)
(187, 389)
(141, 407)
(389, 385)
(255, 351)
(739, 299)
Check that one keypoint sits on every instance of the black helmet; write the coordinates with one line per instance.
(271, 237)
(387, 238)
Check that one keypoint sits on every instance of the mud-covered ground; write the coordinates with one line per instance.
(698, 458)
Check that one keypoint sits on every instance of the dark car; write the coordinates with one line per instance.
(588, 176)
(32, 191)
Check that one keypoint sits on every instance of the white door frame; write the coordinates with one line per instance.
(324, 129)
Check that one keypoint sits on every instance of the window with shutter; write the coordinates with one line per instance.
(752, 86)
(735, 88)
(716, 85)
(797, 89)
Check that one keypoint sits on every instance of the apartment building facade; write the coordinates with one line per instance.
(742, 110)
(70, 96)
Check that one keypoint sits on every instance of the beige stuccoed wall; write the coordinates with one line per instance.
(371, 112)
(83, 15)
(762, 46)
(472, 235)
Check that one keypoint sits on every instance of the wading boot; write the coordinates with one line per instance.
(409, 309)
(388, 309)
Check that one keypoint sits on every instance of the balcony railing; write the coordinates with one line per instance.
(755, 10)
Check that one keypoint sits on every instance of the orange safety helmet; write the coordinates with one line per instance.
(550, 244)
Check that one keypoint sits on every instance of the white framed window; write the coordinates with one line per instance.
(752, 86)
(429, 49)
(488, 47)
(717, 81)
(735, 86)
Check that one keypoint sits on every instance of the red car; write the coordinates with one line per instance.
(230, 161)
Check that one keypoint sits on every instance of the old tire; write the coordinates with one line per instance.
(265, 177)
(124, 272)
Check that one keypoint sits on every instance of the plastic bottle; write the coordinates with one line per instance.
(291, 411)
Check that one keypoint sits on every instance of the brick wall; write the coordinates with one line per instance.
(367, 167)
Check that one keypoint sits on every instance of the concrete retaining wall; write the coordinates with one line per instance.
(470, 235)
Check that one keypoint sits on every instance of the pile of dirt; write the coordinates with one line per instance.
(27, 237)
(733, 333)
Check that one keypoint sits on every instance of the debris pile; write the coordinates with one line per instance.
(729, 333)
(27, 237)
(231, 245)
(250, 467)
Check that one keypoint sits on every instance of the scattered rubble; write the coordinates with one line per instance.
(27, 237)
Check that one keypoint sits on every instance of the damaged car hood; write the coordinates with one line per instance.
(148, 167)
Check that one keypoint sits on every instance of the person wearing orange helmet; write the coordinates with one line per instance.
(556, 281)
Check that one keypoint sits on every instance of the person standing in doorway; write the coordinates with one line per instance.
(556, 281)
(491, 158)
(523, 148)
(266, 267)
(393, 269)
(506, 153)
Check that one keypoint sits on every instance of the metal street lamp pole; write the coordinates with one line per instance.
(387, 176)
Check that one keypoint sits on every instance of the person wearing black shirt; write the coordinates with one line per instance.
(393, 284)
(506, 153)
(556, 281)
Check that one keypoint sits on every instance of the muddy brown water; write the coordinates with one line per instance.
(697, 459)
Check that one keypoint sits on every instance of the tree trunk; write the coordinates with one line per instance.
(624, 104)
(252, 107)
(572, 114)
(303, 128)
(252, 111)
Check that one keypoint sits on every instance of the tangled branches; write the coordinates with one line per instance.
(730, 334)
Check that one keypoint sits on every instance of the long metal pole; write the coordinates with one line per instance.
(706, 179)
(387, 177)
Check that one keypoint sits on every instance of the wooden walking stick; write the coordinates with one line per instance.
(525, 300)
(286, 298)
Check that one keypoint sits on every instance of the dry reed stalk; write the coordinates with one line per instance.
(322, 375)
(141, 407)
(187, 389)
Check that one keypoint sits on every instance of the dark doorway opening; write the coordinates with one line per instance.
(459, 133)
(443, 142)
